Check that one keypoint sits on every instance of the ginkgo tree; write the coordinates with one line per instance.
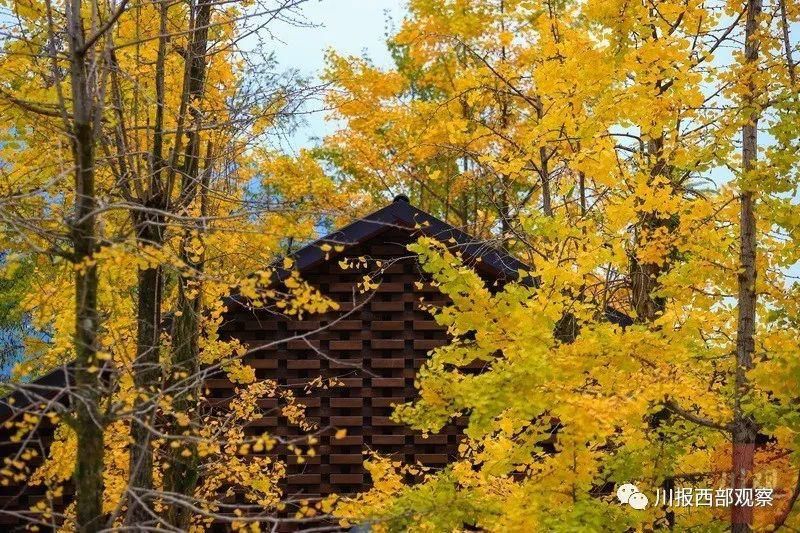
(130, 148)
(499, 110)
(673, 174)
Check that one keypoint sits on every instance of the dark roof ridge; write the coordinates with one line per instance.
(400, 213)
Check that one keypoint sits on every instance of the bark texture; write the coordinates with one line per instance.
(88, 422)
(183, 473)
(150, 231)
(744, 427)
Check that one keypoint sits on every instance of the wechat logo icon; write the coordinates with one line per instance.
(630, 494)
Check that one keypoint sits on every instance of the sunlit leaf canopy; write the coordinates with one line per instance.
(598, 141)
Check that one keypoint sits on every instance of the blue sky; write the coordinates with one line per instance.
(357, 27)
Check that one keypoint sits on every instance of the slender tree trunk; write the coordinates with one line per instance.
(182, 475)
(547, 195)
(644, 276)
(146, 367)
(193, 93)
(146, 379)
(88, 423)
(787, 43)
(544, 171)
(744, 428)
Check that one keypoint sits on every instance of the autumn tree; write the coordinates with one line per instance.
(163, 127)
(484, 129)
(652, 116)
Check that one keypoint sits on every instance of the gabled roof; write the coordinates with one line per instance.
(400, 213)
(496, 262)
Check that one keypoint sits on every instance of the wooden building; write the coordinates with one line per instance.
(371, 346)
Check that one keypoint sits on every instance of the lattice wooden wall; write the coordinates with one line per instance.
(388, 338)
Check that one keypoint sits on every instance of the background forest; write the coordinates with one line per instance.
(640, 156)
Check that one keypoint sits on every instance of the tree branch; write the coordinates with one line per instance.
(104, 28)
(695, 418)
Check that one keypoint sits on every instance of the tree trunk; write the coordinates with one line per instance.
(644, 282)
(544, 171)
(644, 276)
(88, 423)
(146, 367)
(744, 428)
(547, 195)
(146, 379)
(182, 475)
